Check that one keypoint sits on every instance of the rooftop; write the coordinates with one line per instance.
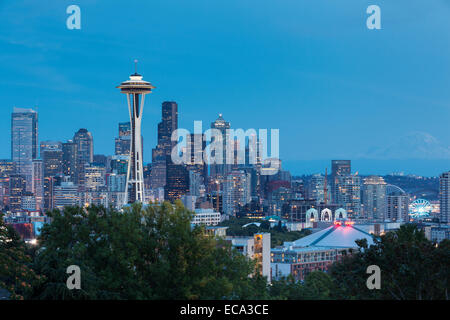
(335, 236)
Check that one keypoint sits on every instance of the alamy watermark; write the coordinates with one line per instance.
(74, 20)
(229, 146)
(374, 280)
(374, 20)
(74, 280)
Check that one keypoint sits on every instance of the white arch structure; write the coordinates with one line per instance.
(340, 213)
(326, 213)
(312, 212)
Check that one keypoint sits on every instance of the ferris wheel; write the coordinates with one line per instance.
(419, 208)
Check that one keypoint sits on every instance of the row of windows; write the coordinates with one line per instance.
(308, 257)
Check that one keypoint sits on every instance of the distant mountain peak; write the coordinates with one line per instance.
(412, 145)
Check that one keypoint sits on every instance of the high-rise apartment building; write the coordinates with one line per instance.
(397, 204)
(24, 137)
(38, 183)
(338, 168)
(236, 191)
(374, 198)
(348, 194)
(444, 197)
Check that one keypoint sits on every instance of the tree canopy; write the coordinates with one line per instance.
(153, 252)
(412, 268)
(143, 253)
(16, 276)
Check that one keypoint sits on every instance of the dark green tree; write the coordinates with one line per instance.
(412, 268)
(16, 275)
(317, 286)
(286, 289)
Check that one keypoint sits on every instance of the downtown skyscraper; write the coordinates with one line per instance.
(348, 194)
(53, 160)
(338, 168)
(84, 153)
(374, 198)
(219, 171)
(24, 142)
(69, 159)
(168, 124)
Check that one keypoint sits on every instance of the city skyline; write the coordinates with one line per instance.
(289, 150)
(372, 83)
(69, 173)
(298, 167)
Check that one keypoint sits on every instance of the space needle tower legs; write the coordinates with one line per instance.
(135, 88)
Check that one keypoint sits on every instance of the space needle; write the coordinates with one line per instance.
(135, 88)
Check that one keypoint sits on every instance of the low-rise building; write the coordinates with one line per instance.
(207, 217)
(216, 231)
(257, 248)
(436, 233)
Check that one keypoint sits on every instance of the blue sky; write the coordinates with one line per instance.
(310, 68)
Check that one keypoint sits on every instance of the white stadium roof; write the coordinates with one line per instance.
(336, 236)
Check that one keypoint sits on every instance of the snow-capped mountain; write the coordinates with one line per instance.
(413, 145)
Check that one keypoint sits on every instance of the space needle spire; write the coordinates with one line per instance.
(135, 88)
